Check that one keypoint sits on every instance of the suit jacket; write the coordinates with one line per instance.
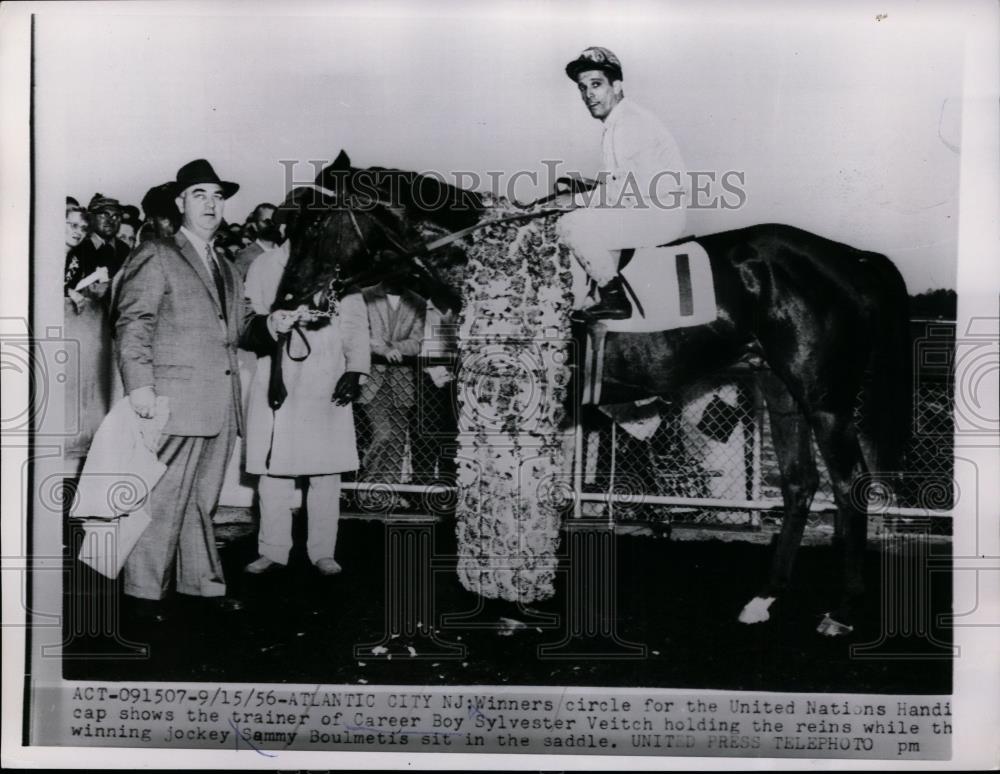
(402, 329)
(246, 257)
(173, 335)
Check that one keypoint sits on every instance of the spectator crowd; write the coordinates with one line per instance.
(103, 233)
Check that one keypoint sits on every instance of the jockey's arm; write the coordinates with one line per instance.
(574, 185)
(575, 191)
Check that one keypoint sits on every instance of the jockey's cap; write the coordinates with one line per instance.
(595, 58)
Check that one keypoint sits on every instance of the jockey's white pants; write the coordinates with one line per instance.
(598, 234)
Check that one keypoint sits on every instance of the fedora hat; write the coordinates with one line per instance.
(596, 58)
(200, 171)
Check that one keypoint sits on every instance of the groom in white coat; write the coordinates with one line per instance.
(311, 436)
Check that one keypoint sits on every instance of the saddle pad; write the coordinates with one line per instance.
(674, 286)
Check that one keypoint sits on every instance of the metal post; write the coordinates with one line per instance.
(578, 470)
(611, 475)
(756, 484)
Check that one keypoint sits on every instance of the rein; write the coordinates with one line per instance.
(456, 235)
(448, 238)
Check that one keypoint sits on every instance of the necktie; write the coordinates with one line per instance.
(220, 286)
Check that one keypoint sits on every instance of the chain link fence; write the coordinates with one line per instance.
(713, 442)
(710, 445)
(407, 440)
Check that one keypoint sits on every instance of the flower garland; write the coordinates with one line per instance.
(514, 336)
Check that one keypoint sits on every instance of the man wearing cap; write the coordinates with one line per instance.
(102, 247)
(181, 315)
(639, 202)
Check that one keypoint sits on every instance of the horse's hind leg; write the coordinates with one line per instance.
(838, 442)
(799, 480)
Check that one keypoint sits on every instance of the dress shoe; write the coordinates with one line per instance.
(148, 611)
(228, 604)
(328, 566)
(262, 565)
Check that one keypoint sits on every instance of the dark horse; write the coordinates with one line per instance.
(829, 321)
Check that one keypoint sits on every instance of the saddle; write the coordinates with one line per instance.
(670, 287)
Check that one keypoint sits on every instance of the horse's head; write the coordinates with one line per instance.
(356, 227)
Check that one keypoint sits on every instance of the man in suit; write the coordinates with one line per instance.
(396, 327)
(181, 314)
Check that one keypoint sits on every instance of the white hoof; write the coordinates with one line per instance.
(828, 627)
(756, 610)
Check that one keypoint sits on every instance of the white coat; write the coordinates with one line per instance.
(309, 435)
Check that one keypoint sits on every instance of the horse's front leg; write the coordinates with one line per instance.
(799, 480)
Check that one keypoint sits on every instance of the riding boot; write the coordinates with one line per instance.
(614, 304)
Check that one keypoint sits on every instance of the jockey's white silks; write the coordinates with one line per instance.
(641, 200)
(597, 234)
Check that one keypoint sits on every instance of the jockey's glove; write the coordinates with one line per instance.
(348, 388)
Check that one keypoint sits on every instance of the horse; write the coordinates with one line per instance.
(829, 321)
(831, 324)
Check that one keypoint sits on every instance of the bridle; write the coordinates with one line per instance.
(276, 388)
(340, 201)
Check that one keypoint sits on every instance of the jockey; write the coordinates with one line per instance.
(640, 200)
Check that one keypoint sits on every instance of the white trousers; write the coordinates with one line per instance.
(278, 497)
(597, 234)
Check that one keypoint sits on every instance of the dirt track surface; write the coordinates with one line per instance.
(678, 600)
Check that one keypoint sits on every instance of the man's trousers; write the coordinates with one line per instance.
(180, 539)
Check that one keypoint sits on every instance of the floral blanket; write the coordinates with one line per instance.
(514, 341)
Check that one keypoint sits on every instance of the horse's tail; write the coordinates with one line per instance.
(887, 396)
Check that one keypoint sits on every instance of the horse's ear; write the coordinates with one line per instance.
(340, 164)
(334, 176)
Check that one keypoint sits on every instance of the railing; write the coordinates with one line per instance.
(710, 459)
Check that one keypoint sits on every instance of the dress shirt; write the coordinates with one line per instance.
(201, 247)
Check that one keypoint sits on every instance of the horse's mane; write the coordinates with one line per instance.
(425, 198)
